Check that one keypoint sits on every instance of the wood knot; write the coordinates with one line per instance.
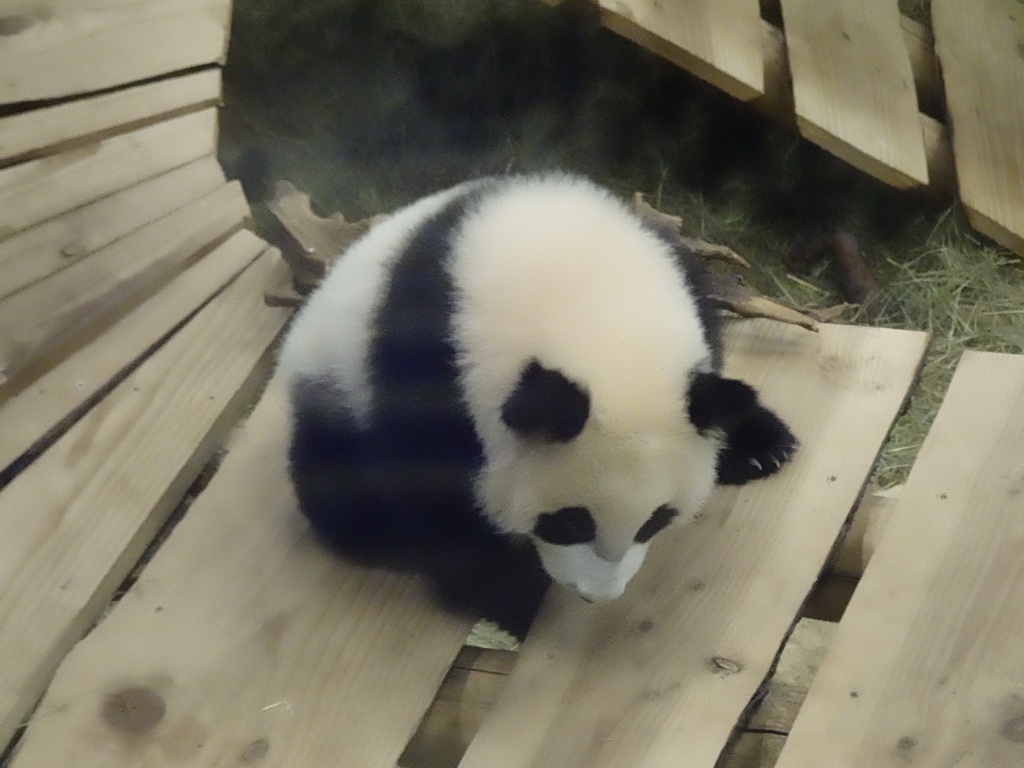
(1013, 730)
(12, 25)
(255, 750)
(133, 710)
(722, 665)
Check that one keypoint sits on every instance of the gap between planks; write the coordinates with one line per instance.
(927, 665)
(39, 132)
(254, 637)
(49, 313)
(78, 47)
(74, 522)
(669, 669)
(56, 398)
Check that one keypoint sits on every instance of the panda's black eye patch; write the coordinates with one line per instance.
(661, 517)
(569, 525)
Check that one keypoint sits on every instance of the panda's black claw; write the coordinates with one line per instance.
(756, 446)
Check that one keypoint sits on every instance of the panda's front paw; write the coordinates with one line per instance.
(757, 446)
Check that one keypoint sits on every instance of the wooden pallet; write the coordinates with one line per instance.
(133, 338)
(863, 82)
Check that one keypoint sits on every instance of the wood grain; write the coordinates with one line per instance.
(667, 670)
(75, 521)
(853, 86)
(36, 320)
(30, 415)
(41, 132)
(35, 253)
(927, 667)
(981, 51)
(67, 47)
(718, 40)
(40, 189)
(257, 641)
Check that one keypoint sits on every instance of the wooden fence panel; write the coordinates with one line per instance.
(40, 189)
(30, 414)
(57, 243)
(668, 670)
(853, 85)
(42, 131)
(927, 667)
(718, 40)
(253, 642)
(981, 50)
(66, 47)
(76, 520)
(36, 320)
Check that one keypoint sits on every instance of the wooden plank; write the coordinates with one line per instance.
(40, 189)
(42, 131)
(29, 415)
(853, 86)
(74, 46)
(667, 670)
(464, 700)
(37, 319)
(927, 667)
(477, 677)
(35, 253)
(981, 51)
(717, 40)
(76, 520)
(255, 640)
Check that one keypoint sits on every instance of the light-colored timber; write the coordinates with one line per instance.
(719, 40)
(853, 86)
(670, 668)
(52, 311)
(35, 253)
(43, 131)
(981, 50)
(30, 414)
(75, 521)
(40, 189)
(927, 666)
(68, 47)
(255, 640)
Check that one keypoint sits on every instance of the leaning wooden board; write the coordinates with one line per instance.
(853, 86)
(75, 521)
(927, 667)
(981, 50)
(719, 40)
(666, 672)
(244, 640)
(66, 47)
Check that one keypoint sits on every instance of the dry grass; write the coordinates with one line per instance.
(368, 105)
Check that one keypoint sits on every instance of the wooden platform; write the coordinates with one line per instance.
(868, 85)
(162, 604)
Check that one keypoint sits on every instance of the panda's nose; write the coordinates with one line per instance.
(586, 598)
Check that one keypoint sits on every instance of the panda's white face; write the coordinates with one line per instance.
(592, 505)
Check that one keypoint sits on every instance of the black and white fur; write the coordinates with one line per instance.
(516, 369)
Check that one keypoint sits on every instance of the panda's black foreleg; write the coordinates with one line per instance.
(755, 442)
(756, 446)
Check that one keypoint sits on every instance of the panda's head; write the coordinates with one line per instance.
(590, 491)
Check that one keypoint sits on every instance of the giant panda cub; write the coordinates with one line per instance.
(515, 379)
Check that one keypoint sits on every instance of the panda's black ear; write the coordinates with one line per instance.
(719, 403)
(545, 405)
